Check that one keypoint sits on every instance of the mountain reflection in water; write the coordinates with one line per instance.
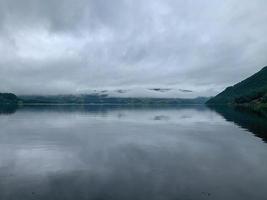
(112, 152)
(251, 121)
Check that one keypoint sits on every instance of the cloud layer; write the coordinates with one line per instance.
(69, 46)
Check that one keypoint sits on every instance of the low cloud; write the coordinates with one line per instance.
(69, 46)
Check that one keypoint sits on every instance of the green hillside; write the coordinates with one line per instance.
(251, 90)
(8, 99)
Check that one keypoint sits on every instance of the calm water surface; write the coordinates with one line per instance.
(112, 153)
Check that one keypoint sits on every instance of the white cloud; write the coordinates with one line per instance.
(66, 46)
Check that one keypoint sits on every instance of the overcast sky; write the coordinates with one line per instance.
(73, 46)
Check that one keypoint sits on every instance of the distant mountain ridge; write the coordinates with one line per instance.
(105, 99)
(248, 91)
(95, 98)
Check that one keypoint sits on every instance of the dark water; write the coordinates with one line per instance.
(112, 153)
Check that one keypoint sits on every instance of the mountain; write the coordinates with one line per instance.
(8, 99)
(105, 99)
(252, 90)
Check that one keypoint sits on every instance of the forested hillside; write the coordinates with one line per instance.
(251, 90)
(8, 99)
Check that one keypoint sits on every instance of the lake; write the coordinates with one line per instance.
(135, 153)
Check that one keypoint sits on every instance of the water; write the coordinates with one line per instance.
(106, 153)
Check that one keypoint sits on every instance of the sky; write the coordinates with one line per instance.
(78, 46)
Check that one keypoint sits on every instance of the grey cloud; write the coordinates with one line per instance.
(64, 46)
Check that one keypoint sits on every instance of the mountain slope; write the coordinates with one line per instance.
(252, 89)
(8, 99)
